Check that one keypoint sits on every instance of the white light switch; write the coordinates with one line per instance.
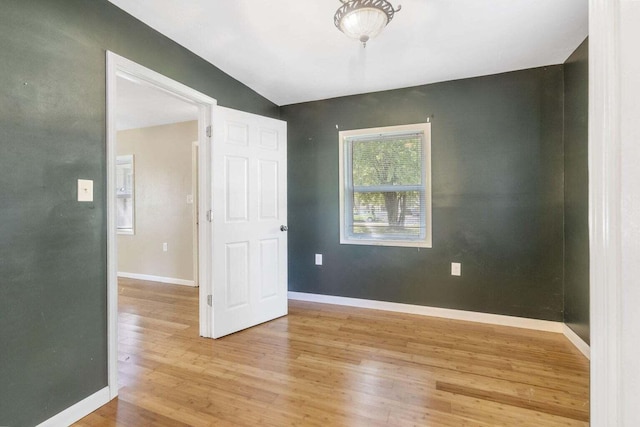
(318, 259)
(85, 190)
(189, 199)
(456, 269)
(165, 247)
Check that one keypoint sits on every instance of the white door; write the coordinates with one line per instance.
(249, 202)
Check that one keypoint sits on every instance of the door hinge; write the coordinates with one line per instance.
(210, 300)
(210, 215)
(209, 131)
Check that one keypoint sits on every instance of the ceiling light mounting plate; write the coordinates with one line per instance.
(364, 19)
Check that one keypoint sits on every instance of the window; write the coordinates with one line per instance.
(124, 194)
(385, 186)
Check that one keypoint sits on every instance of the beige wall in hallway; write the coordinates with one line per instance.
(162, 162)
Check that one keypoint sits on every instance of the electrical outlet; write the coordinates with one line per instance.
(165, 247)
(456, 269)
(318, 259)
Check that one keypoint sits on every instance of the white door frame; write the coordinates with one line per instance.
(118, 66)
(195, 199)
(606, 286)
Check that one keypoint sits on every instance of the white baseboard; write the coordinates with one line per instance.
(79, 410)
(577, 341)
(160, 279)
(469, 316)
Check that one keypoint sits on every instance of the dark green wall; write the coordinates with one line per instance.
(497, 159)
(576, 193)
(53, 349)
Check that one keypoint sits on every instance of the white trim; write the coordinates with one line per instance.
(604, 213)
(469, 316)
(118, 66)
(112, 257)
(194, 209)
(171, 280)
(79, 410)
(577, 341)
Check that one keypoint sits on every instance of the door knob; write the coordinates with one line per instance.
(283, 228)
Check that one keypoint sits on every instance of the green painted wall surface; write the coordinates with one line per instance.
(53, 350)
(576, 195)
(497, 170)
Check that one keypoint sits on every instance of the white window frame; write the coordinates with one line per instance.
(346, 186)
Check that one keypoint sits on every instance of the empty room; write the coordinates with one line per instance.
(368, 213)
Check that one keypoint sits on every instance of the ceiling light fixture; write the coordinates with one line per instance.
(364, 19)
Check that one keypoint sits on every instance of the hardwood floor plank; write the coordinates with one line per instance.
(325, 365)
(565, 411)
(119, 412)
(498, 414)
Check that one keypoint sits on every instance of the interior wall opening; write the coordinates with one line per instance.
(157, 159)
(156, 201)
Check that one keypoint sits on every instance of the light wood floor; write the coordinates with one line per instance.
(325, 365)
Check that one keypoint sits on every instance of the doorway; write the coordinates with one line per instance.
(122, 72)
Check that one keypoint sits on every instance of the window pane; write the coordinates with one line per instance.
(124, 193)
(385, 186)
(387, 161)
(387, 214)
(124, 213)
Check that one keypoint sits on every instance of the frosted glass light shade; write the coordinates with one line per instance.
(363, 19)
(364, 24)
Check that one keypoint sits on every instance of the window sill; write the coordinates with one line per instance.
(392, 243)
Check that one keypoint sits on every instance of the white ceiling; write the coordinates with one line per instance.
(141, 106)
(289, 50)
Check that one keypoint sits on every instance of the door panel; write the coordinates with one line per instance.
(237, 275)
(237, 133)
(268, 139)
(269, 253)
(268, 189)
(249, 205)
(237, 189)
